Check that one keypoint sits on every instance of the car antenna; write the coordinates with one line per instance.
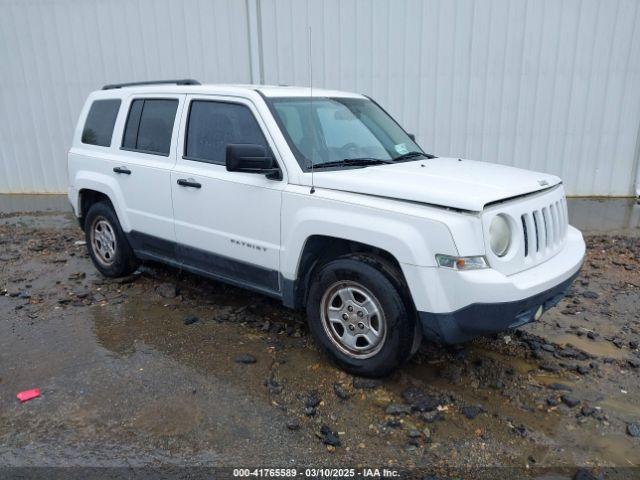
(313, 138)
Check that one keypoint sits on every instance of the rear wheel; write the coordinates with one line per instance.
(359, 315)
(107, 245)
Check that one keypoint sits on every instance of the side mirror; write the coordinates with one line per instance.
(251, 158)
(412, 136)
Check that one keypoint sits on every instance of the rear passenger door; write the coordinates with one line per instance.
(228, 224)
(143, 171)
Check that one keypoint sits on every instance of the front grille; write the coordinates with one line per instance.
(540, 222)
(544, 229)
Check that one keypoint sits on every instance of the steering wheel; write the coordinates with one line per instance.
(350, 150)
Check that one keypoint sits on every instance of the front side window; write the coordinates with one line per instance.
(150, 125)
(214, 125)
(323, 130)
(98, 128)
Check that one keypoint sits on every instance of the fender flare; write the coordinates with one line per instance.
(403, 239)
(106, 185)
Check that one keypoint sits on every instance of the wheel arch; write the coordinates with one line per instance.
(91, 190)
(87, 198)
(320, 249)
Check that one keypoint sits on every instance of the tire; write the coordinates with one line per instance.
(390, 324)
(106, 242)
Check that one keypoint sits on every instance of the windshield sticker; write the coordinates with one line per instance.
(401, 148)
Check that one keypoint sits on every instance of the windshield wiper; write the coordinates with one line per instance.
(352, 162)
(410, 155)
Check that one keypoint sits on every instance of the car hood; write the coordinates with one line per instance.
(447, 182)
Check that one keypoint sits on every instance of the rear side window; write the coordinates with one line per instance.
(150, 125)
(214, 125)
(98, 128)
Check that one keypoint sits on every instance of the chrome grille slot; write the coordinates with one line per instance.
(526, 235)
(552, 222)
(541, 231)
(565, 216)
(548, 228)
(559, 226)
(531, 234)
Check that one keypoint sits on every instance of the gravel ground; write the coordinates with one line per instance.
(165, 368)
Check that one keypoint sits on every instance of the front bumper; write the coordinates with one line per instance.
(456, 306)
(485, 318)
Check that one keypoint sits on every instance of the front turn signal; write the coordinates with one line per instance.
(461, 263)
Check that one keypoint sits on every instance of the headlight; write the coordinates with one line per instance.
(499, 235)
(461, 263)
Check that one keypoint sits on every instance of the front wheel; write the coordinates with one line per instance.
(358, 315)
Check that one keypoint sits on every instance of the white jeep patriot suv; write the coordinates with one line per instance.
(323, 201)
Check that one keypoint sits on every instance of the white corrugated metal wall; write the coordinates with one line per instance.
(54, 52)
(547, 85)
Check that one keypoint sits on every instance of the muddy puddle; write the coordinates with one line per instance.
(596, 348)
(126, 380)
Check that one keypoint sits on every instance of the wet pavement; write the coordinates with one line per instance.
(128, 378)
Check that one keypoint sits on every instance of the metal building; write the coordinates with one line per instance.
(549, 85)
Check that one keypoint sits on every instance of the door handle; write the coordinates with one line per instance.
(188, 182)
(124, 170)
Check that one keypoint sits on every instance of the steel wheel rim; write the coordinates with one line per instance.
(103, 241)
(353, 319)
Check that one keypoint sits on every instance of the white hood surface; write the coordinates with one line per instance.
(447, 182)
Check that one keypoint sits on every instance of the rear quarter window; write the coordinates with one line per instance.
(150, 125)
(98, 128)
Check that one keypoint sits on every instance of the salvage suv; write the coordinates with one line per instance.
(321, 200)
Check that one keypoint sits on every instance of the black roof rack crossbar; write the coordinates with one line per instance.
(184, 81)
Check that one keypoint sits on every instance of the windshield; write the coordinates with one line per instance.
(323, 130)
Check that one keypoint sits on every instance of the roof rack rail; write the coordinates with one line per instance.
(184, 81)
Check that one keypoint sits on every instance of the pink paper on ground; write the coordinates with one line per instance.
(28, 394)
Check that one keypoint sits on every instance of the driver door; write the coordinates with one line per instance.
(227, 224)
